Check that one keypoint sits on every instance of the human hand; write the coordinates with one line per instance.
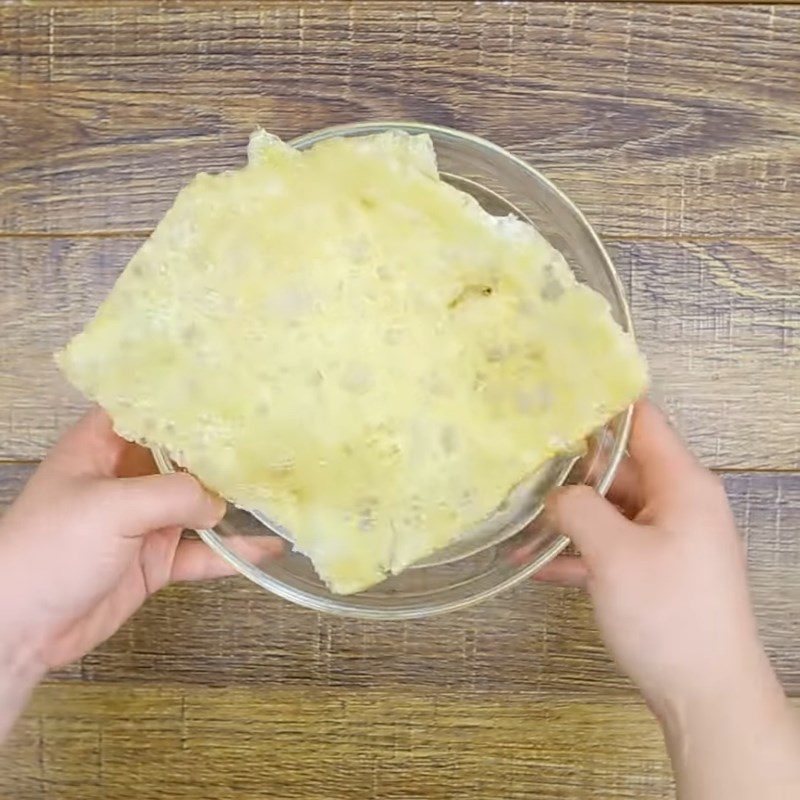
(664, 566)
(91, 536)
(665, 570)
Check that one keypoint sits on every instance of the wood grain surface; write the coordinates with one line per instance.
(180, 742)
(156, 742)
(676, 128)
(656, 119)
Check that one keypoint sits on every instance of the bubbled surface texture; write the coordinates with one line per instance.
(338, 338)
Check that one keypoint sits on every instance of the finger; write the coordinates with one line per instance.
(161, 501)
(567, 571)
(195, 561)
(92, 447)
(625, 490)
(590, 520)
(660, 455)
(89, 447)
(95, 422)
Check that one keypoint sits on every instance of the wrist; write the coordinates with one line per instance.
(738, 739)
(20, 670)
(21, 665)
(745, 692)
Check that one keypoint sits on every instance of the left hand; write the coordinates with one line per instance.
(92, 535)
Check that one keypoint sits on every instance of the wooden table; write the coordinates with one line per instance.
(675, 127)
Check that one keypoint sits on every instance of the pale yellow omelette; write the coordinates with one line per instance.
(340, 339)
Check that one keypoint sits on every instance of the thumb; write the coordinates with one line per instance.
(162, 501)
(593, 524)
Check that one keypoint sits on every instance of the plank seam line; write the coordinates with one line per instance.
(612, 238)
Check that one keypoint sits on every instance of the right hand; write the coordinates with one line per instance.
(665, 568)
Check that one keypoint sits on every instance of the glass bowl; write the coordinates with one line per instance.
(514, 542)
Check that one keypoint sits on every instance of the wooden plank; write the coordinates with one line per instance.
(49, 291)
(653, 124)
(117, 741)
(534, 639)
(720, 323)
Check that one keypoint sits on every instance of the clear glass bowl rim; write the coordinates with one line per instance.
(340, 606)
